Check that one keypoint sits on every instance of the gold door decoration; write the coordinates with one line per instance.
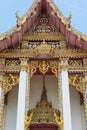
(54, 67)
(33, 67)
(44, 113)
(43, 67)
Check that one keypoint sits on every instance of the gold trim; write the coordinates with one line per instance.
(24, 67)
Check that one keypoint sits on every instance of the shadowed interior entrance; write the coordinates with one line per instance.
(43, 127)
(44, 116)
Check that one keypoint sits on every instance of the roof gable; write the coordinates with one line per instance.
(14, 36)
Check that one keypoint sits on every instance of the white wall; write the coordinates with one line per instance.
(11, 110)
(36, 90)
(77, 111)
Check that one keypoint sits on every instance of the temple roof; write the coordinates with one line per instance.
(14, 36)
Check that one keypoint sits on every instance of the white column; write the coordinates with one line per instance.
(66, 100)
(21, 99)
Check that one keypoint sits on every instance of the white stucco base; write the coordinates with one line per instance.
(77, 111)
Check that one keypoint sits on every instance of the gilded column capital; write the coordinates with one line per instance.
(64, 64)
(24, 67)
(24, 64)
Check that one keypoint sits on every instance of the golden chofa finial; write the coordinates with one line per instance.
(18, 17)
(69, 17)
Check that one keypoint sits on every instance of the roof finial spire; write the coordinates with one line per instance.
(44, 95)
(69, 17)
(44, 83)
(18, 17)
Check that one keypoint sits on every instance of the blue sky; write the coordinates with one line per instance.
(8, 8)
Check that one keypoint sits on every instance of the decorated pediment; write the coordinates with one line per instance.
(44, 36)
(43, 25)
(39, 18)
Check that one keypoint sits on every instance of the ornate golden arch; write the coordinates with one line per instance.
(44, 67)
(77, 82)
(9, 82)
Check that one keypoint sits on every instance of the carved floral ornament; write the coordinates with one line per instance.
(73, 65)
(44, 67)
(79, 82)
(44, 48)
(9, 81)
(36, 49)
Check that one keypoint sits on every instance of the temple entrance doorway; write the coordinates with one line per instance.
(43, 127)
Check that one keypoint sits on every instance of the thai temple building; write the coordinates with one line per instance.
(43, 72)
